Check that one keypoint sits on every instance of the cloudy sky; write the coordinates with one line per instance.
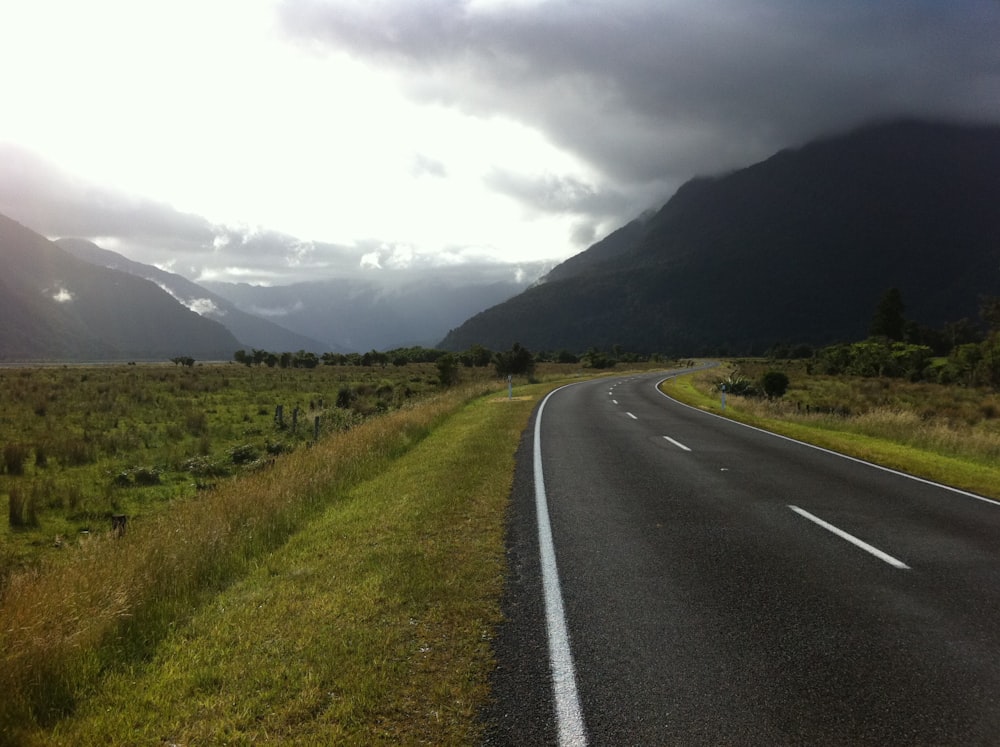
(277, 140)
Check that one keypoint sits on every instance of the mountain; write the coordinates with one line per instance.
(797, 248)
(357, 314)
(57, 307)
(250, 330)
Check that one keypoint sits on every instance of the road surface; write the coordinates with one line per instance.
(676, 578)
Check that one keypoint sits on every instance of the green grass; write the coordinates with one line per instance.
(371, 624)
(81, 443)
(945, 434)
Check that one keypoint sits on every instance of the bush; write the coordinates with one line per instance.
(447, 366)
(14, 456)
(243, 454)
(15, 508)
(517, 361)
(774, 384)
(147, 476)
(204, 466)
(736, 384)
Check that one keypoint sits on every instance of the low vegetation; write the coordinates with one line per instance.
(357, 575)
(84, 444)
(274, 583)
(943, 432)
(390, 541)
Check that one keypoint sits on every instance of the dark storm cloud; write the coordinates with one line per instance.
(653, 92)
(556, 194)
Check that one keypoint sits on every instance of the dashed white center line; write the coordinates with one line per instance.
(614, 401)
(631, 416)
(678, 444)
(851, 538)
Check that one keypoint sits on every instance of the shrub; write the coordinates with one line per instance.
(736, 384)
(147, 476)
(774, 383)
(243, 454)
(345, 397)
(204, 466)
(14, 456)
(15, 508)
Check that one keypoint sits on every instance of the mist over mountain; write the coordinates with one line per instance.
(251, 331)
(394, 309)
(797, 248)
(73, 300)
(55, 306)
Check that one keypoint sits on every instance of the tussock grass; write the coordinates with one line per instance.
(108, 603)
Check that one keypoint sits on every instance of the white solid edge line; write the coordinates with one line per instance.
(908, 476)
(852, 539)
(569, 716)
(678, 444)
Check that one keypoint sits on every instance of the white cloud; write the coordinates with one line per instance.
(63, 296)
(277, 311)
(203, 306)
(371, 260)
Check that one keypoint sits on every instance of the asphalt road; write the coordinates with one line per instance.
(721, 585)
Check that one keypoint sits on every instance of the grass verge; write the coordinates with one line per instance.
(845, 435)
(371, 624)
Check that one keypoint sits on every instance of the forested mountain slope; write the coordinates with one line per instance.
(57, 307)
(797, 248)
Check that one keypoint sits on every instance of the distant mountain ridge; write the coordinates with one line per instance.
(357, 315)
(57, 307)
(251, 331)
(798, 248)
(73, 300)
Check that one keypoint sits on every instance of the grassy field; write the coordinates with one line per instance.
(372, 624)
(949, 434)
(343, 591)
(83, 443)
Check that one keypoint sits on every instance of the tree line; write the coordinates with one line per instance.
(961, 352)
(517, 361)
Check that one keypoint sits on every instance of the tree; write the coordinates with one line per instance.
(479, 356)
(447, 366)
(774, 384)
(888, 320)
(989, 312)
(594, 358)
(517, 361)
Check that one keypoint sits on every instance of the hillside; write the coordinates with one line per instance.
(57, 307)
(797, 248)
(250, 330)
(355, 314)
